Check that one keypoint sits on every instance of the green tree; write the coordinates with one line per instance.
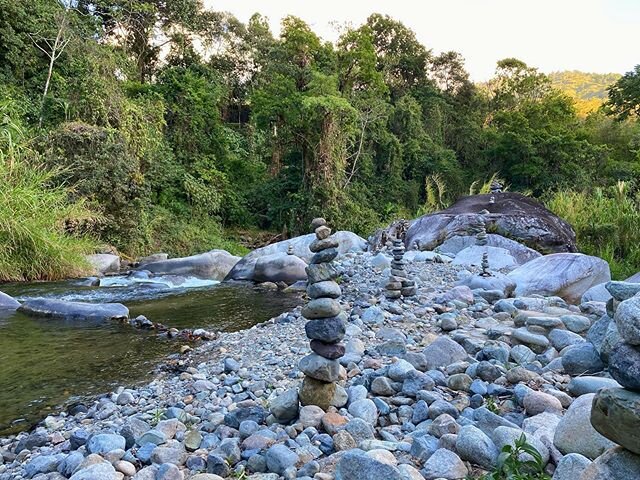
(624, 96)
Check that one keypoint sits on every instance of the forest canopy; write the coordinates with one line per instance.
(173, 122)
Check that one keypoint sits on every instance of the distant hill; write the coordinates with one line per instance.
(588, 89)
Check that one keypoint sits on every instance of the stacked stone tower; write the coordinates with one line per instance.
(399, 285)
(325, 325)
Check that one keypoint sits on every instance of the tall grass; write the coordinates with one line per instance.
(607, 224)
(35, 216)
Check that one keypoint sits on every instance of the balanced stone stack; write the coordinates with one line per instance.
(485, 265)
(399, 285)
(496, 187)
(481, 236)
(326, 321)
(616, 411)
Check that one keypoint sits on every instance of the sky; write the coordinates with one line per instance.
(589, 35)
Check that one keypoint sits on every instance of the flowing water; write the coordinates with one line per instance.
(45, 363)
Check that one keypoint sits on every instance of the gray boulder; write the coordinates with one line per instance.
(475, 446)
(7, 302)
(213, 265)
(499, 258)
(575, 434)
(567, 275)
(51, 308)
(104, 263)
(616, 415)
(245, 268)
(442, 352)
(280, 267)
(512, 215)
(616, 463)
(627, 318)
(570, 467)
(520, 253)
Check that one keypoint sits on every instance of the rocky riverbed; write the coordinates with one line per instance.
(432, 388)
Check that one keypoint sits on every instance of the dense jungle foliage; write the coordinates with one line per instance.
(167, 125)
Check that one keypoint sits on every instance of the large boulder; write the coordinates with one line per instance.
(512, 215)
(213, 265)
(7, 302)
(280, 267)
(104, 263)
(521, 253)
(499, 258)
(245, 268)
(51, 308)
(567, 275)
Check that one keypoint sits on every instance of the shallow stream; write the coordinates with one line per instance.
(45, 363)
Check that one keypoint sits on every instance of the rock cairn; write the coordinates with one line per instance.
(616, 411)
(485, 265)
(325, 325)
(481, 236)
(290, 250)
(399, 285)
(496, 187)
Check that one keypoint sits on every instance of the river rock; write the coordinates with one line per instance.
(616, 415)
(327, 330)
(212, 265)
(582, 359)
(567, 275)
(627, 318)
(575, 434)
(279, 458)
(279, 267)
(616, 463)
(588, 384)
(320, 368)
(624, 365)
(508, 436)
(105, 443)
(328, 289)
(622, 291)
(444, 464)
(537, 402)
(359, 465)
(316, 392)
(321, 308)
(512, 215)
(473, 445)
(104, 263)
(285, 406)
(98, 471)
(570, 467)
(52, 308)
(364, 409)
(442, 352)
(496, 282)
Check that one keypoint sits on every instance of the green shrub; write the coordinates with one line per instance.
(37, 219)
(512, 464)
(607, 222)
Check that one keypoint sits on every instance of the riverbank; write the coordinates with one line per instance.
(433, 387)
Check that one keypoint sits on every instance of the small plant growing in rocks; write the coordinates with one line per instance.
(511, 466)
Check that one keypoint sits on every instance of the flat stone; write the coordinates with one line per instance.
(581, 385)
(616, 415)
(321, 308)
(318, 245)
(324, 256)
(328, 330)
(561, 339)
(321, 272)
(328, 289)
(332, 351)
(538, 343)
(320, 368)
(622, 291)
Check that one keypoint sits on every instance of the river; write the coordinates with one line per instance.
(46, 363)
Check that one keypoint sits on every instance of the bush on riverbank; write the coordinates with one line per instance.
(606, 221)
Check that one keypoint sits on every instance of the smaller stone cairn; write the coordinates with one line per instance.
(399, 285)
(481, 236)
(290, 250)
(616, 411)
(496, 187)
(325, 325)
(485, 265)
